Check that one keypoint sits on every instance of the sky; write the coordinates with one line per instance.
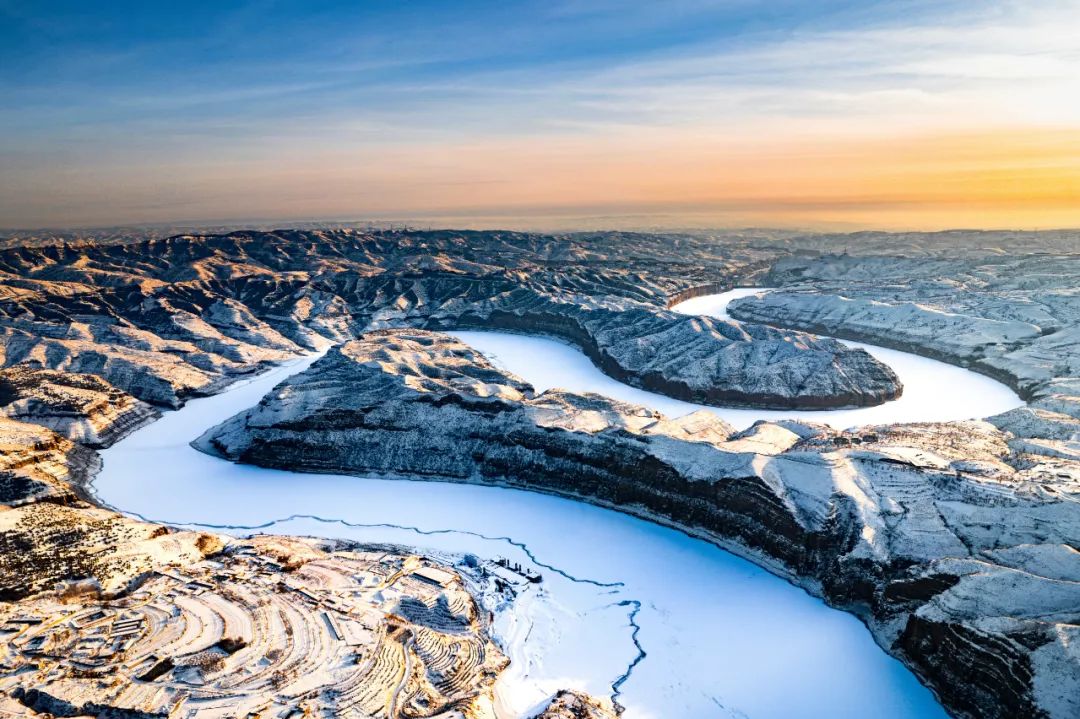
(909, 114)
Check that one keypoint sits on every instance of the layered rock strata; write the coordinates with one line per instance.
(952, 541)
(182, 316)
(37, 464)
(81, 407)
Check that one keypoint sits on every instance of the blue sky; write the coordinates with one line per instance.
(72, 64)
(132, 96)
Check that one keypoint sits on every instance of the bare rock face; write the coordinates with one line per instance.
(49, 421)
(81, 407)
(36, 464)
(575, 705)
(954, 544)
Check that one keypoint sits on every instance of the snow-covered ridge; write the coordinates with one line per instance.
(888, 520)
(708, 641)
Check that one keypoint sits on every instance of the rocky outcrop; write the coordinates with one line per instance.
(81, 407)
(1015, 317)
(575, 705)
(953, 544)
(908, 325)
(49, 423)
(69, 570)
(367, 406)
(36, 464)
(956, 543)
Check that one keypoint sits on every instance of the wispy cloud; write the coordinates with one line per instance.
(482, 106)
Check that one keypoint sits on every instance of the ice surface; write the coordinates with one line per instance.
(723, 637)
(716, 305)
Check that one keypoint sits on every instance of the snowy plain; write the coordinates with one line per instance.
(721, 637)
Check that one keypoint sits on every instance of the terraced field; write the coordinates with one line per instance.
(272, 627)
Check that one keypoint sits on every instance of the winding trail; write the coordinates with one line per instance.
(708, 632)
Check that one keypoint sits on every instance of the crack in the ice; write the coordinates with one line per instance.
(730, 711)
(426, 532)
(616, 686)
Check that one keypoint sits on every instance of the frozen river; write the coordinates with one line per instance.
(933, 391)
(677, 626)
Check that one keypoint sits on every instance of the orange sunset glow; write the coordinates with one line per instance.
(929, 117)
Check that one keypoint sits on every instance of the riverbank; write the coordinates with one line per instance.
(709, 639)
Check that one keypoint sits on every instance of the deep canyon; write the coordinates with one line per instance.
(949, 524)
